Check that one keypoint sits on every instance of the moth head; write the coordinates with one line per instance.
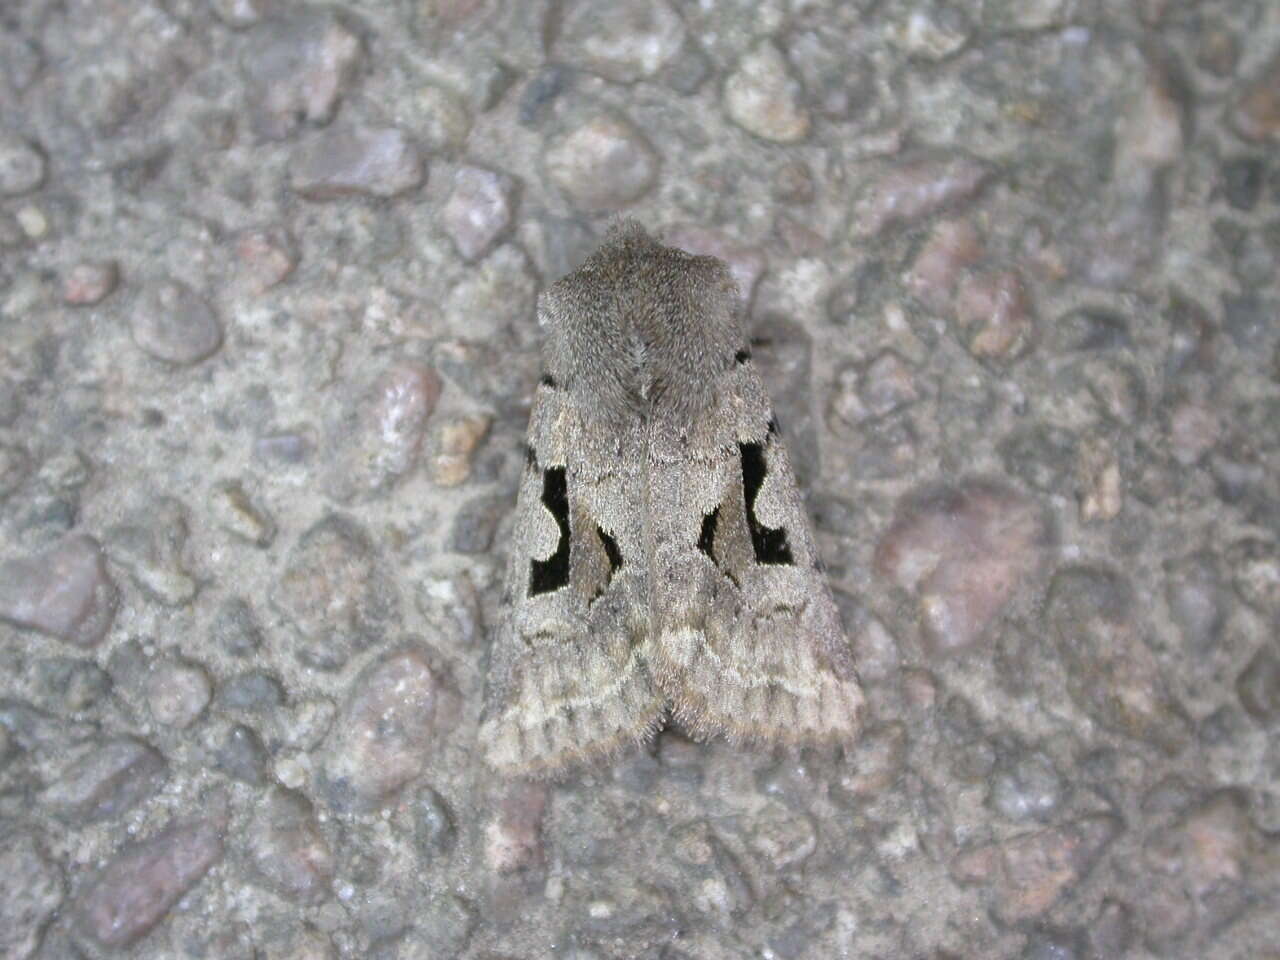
(642, 327)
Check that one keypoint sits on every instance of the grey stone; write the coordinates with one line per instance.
(31, 895)
(254, 691)
(288, 849)
(335, 593)
(178, 692)
(110, 778)
(240, 754)
(764, 98)
(65, 592)
(173, 323)
(139, 886)
(346, 160)
(479, 210)
(22, 166)
(297, 69)
(235, 628)
(394, 712)
(603, 164)
(624, 41)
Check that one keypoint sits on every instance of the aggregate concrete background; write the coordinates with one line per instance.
(267, 343)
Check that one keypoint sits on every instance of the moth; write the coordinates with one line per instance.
(661, 560)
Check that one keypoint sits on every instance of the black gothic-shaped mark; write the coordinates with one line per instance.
(611, 549)
(707, 538)
(770, 544)
(742, 356)
(615, 558)
(553, 573)
(548, 381)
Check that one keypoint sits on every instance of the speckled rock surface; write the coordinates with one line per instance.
(268, 274)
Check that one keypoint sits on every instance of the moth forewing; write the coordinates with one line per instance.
(661, 557)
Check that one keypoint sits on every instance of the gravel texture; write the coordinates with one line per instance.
(268, 273)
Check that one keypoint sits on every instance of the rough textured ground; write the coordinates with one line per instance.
(267, 285)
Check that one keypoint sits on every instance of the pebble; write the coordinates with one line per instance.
(241, 755)
(382, 445)
(306, 724)
(439, 120)
(288, 850)
(839, 84)
(286, 449)
(72, 685)
(64, 592)
(395, 712)
(239, 14)
(1217, 50)
(1099, 483)
(1194, 430)
(1030, 14)
(622, 41)
(136, 890)
(1255, 573)
(763, 97)
(964, 550)
(334, 593)
(884, 386)
(877, 762)
(255, 691)
(1028, 873)
(343, 161)
(15, 467)
(494, 297)
(1111, 672)
(33, 221)
(1152, 136)
(1258, 686)
(267, 256)
(604, 164)
(150, 545)
(476, 522)
(952, 246)
(1041, 456)
(1256, 114)
(541, 92)
(1193, 590)
(444, 928)
(20, 61)
(297, 67)
(239, 514)
(22, 166)
(456, 442)
(88, 283)
(914, 188)
(688, 70)
(27, 907)
(1028, 789)
(434, 823)
(933, 31)
(479, 211)
(110, 778)
(235, 628)
(993, 310)
(173, 323)
(783, 839)
(1110, 933)
(1242, 179)
(178, 692)
(513, 837)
